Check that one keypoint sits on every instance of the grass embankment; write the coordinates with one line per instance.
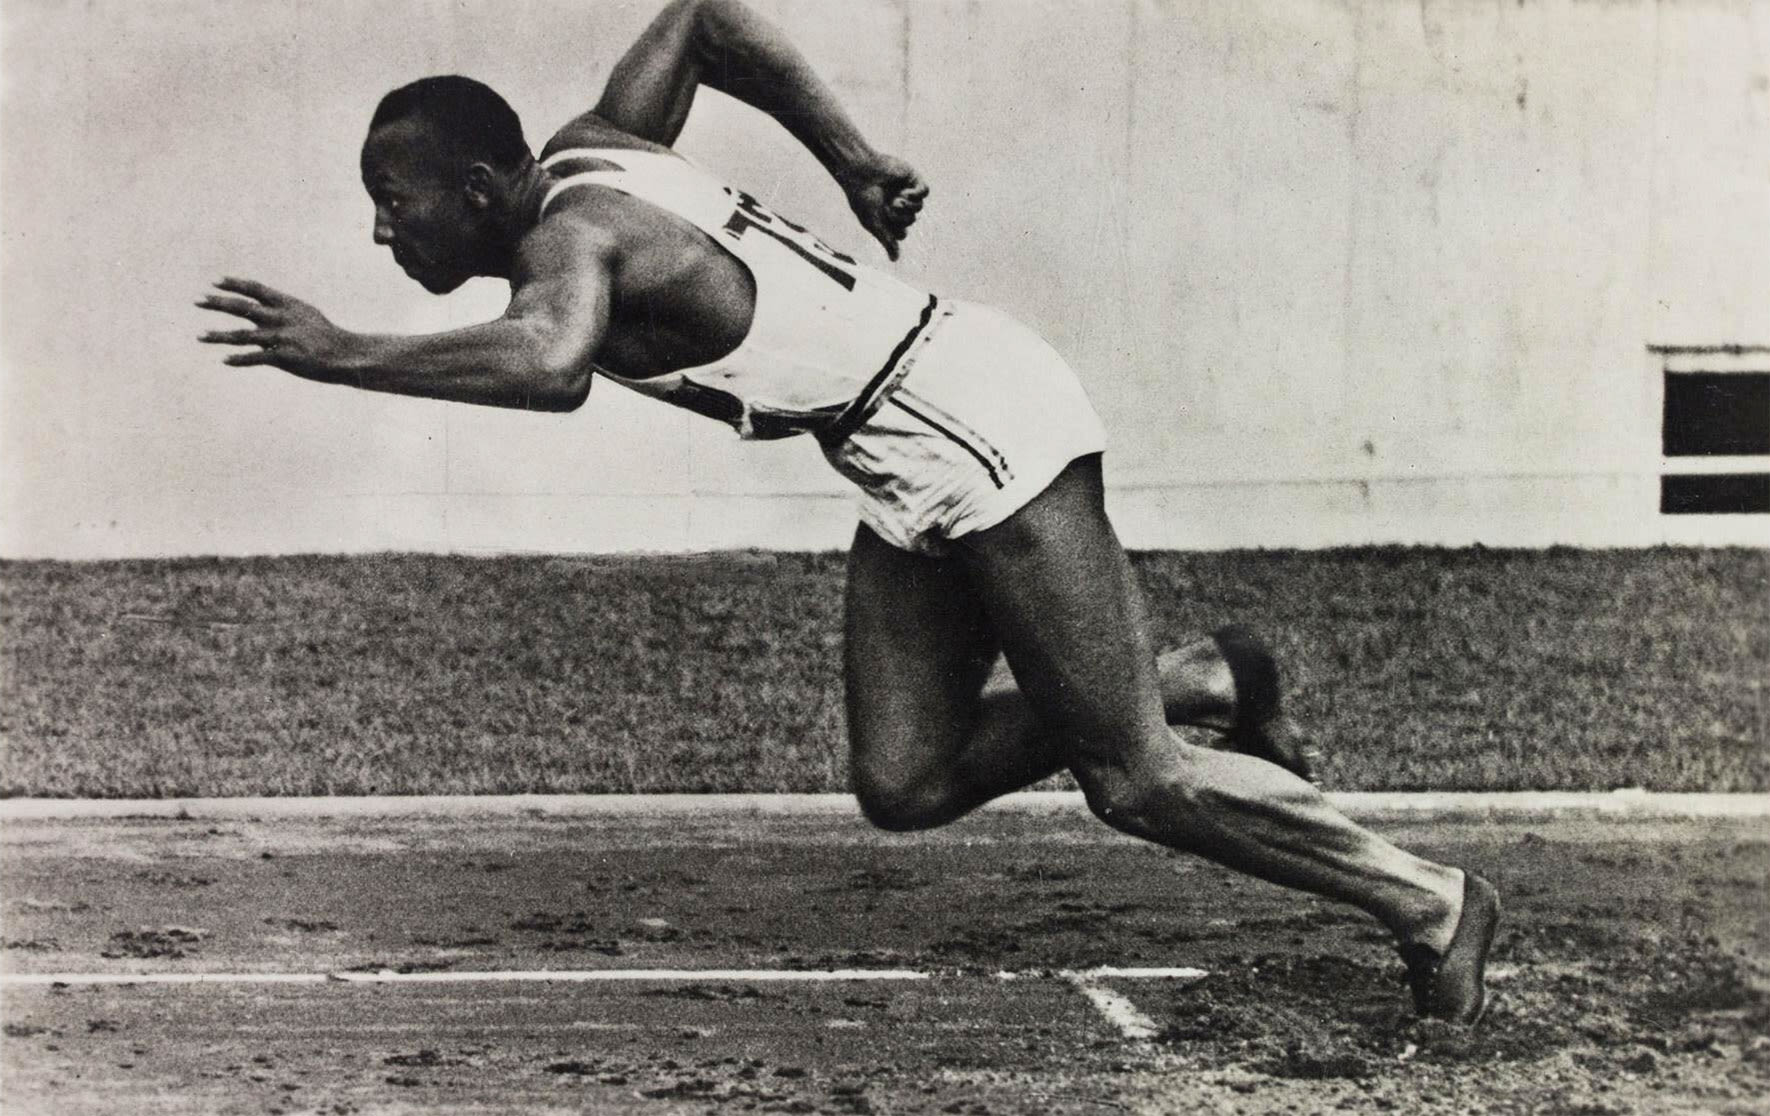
(1465, 669)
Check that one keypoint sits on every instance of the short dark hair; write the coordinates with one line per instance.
(471, 117)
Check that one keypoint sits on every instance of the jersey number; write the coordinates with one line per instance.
(750, 214)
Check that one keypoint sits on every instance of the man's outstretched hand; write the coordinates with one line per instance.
(289, 334)
(886, 193)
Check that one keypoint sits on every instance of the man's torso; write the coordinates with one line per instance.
(678, 299)
(717, 303)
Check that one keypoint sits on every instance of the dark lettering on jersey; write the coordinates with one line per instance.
(754, 206)
(751, 214)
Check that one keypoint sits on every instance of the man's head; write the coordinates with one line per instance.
(442, 160)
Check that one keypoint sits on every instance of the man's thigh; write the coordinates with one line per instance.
(1064, 602)
(918, 651)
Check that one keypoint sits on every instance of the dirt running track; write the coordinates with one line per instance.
(1633, 971)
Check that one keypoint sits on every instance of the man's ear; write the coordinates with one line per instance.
(481, 181)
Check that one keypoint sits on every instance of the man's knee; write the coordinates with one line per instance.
(903, 805)
(1145, 797)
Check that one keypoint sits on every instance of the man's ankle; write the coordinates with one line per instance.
(1435, 924)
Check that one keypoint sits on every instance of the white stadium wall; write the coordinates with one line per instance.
(1333, 272)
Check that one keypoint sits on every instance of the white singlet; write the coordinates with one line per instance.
(830, 337)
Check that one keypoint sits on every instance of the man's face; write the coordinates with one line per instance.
(422, 210)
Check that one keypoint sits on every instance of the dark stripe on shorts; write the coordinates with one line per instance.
(994, 476)
(868, 401)
(964, 432)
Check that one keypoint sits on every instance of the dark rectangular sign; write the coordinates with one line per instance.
(1717, 413)
(1715, 494)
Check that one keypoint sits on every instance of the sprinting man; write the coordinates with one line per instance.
(978, 457)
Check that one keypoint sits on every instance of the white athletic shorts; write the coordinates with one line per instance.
(982, 421)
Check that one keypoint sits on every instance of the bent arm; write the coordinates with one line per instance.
(538, 355)
(725, 45)
(515, 361)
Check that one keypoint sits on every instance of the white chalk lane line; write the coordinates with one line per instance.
(1114, 1007)
(1627, 803)
(445, 976)
(518, 976)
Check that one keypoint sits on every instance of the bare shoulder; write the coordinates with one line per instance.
(591, 130)
(580, 236)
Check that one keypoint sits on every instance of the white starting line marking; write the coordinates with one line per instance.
(1119, 1010)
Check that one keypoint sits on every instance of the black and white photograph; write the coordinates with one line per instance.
(981, 557)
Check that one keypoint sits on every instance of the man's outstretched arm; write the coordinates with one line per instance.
(537, 356)
(725, 45)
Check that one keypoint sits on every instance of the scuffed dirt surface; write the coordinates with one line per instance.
(1633, 971)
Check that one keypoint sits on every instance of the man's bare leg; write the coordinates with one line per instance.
(1060, 595)
(923, 734)
(1053, 586)
(924, 747)
(1197, 685)
(1198, 688)
(922, 638)
(927, 746)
